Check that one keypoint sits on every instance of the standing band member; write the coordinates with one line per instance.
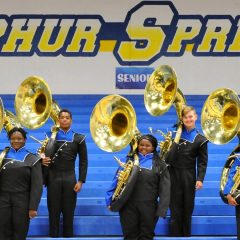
(230, 182)
(139, 215)
(62, 186)
(188, 163)
(20, 187)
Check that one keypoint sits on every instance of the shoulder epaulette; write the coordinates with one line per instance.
(203, 138)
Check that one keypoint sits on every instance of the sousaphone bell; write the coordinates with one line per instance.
(220, 120)
(161, 92)
(34, 105)
(113, 127)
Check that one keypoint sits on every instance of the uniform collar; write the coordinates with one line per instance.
(189, 135)
(65, 132)
(145, 156)
(145, 160)
(13, 150)
(19, 154)
(65, 136)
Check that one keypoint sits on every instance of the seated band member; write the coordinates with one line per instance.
(20, 187)
(140, 213)
(62, 185)
(188, 162)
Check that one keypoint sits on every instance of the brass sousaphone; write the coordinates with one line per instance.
(161, 92)
(113, 127)
(220, 120)
(34, 105)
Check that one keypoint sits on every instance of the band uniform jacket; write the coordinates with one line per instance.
(152, 183)
(191, 151)
(21, 172)
(68, 145)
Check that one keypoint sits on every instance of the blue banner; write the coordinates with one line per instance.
(132, 77)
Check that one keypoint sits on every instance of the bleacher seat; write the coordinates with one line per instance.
(212, 219)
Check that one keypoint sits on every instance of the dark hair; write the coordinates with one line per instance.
(158, 164)
(151, 139)
(65, 110)
(17, 129)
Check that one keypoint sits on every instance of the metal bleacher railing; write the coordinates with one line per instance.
(211, 216)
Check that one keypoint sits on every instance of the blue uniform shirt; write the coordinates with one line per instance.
(64, 136)
(189, 135)
(18, 155)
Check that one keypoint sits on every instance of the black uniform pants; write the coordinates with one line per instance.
(238, 221)
(61, 198)
(14, 218)
(138, 220)
(183, 183)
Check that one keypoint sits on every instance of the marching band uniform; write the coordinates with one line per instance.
(230, 184)
(20, 191)
(61, 198)
(189, 155)
(139, 215)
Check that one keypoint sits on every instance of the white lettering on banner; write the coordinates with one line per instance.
(126, 77)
